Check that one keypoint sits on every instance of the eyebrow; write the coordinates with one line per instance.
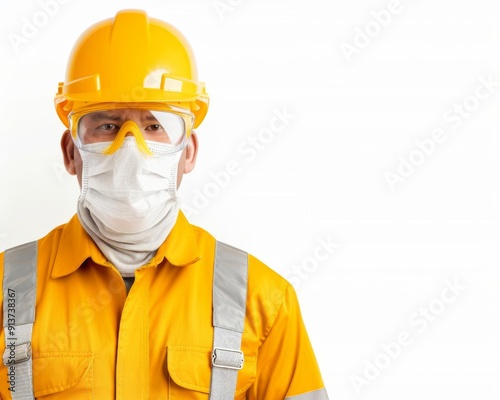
(97, 116)
(150, 117)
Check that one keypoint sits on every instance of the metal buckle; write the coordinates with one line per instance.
(233, 360)
(17, 354)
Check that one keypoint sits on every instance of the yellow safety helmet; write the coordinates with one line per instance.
(131, 59)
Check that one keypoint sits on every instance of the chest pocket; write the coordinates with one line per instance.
(63, 375)
(189, 373)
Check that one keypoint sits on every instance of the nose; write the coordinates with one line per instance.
(129, 128)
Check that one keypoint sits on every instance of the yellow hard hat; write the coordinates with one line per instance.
(131, 59)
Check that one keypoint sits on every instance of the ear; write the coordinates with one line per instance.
(68, 150)
(191, 153)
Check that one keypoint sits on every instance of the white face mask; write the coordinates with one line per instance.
(127, 191)
(128, 203)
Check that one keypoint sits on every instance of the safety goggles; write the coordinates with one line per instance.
(103, 129)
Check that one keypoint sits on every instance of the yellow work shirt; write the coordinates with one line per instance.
(93, 341)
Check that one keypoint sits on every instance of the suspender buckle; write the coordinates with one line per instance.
(227, 358)
(17, 354)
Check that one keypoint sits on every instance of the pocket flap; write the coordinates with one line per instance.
(57, 372)
(191, 368)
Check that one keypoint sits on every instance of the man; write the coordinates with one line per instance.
(128, 300)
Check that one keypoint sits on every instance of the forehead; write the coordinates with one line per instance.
(121, 114)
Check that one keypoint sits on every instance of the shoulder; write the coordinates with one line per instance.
(44, 250)
(267, 290)
(204, 239)
(44, 242)
(261, 277)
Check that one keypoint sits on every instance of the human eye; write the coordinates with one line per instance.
(155, 128)
(108, 127)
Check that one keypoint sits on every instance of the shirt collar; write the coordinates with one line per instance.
(76, 246)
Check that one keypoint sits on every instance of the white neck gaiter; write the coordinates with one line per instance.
(128, 202)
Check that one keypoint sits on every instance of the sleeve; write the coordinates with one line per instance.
(286, 364)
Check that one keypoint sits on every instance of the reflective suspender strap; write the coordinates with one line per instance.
(19, 297)
(229, 308)
(319, 394)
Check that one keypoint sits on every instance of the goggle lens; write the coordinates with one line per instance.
(156, 126)
(167, 128)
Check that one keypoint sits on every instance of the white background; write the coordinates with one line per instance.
(322, 178)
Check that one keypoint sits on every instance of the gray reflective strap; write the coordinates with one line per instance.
(19, 297)
(229, 308)
(319, 394)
